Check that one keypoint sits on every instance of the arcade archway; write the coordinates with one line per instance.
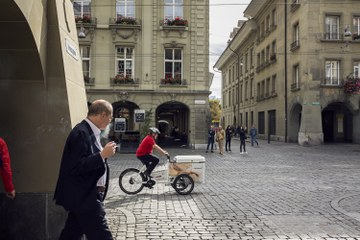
(337, 121)
(172, 119)
(124, 130)
(295, 123)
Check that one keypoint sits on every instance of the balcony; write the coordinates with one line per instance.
(294, 6)
(125, 27)
(337, 37)
(295, 86)
(295, 45)
(273, 58)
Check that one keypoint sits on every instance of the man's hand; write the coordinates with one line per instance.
(11, 194)
(109, 150)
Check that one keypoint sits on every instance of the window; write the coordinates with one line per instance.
(296, 31)
(82, 8)
(267, 93)
(241, 66)
(246, 119)
(268, 24)
(357, 69)
(261, 122)
(251, 88)
(252, 117)
(332, 72)
(332, 27)
(173, 63)
(246, 90)
(85, 56)
(251, 57)
(227, 83)
(246, 62)
(124, 61)
(173, 9)
(296, 77)
(273, 85)
(233, 75)
(356, 27)
(125, 8)
(273, 18)
(262, 29)
(241, 92)
(272, 122)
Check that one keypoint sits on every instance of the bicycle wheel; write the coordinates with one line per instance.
(183, 184)
(131, 181)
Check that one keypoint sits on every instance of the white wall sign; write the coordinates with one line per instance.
(200, 102)
(71, 49)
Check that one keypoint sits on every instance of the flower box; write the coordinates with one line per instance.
(175, 22)
(84, 19)
(352, 85)
(126, 20)
(122, 79)
(171, 81)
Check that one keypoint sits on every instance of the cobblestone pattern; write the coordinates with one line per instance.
(276, 191)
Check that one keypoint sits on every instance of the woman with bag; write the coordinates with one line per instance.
(220, 135)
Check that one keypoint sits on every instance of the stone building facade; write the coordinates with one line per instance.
(147, 57)
(292, 69)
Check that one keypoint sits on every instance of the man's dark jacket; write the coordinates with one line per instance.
(81, 167)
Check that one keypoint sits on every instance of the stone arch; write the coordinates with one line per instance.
(173, 120)
(294, 122)
(337, 122)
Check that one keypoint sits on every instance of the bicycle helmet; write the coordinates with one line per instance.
(154, 130)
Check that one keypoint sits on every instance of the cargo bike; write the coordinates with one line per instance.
(181, 173)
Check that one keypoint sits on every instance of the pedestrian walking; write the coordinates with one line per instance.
(84, 176)
(242, 140)
(220, 135)
(253, 134)
(211, 139)
(5, 170)
(228, 136)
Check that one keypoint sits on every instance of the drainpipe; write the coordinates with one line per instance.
(286, 68)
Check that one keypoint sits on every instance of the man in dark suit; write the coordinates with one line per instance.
(84, 176)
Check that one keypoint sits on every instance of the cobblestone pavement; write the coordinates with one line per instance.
(276, 191)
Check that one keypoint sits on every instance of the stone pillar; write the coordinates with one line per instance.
(311, 133)
(42, 96)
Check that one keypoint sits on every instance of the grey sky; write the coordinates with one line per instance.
(224, 15)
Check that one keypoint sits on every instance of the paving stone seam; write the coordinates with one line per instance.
(335, 204)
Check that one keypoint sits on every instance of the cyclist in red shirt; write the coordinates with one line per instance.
(145, 151)
(5, 170)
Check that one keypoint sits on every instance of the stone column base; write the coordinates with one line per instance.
(307, 139)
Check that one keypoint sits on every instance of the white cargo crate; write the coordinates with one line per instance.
(194, 165)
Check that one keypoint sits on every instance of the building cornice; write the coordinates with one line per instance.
(239, 39)
(254, 7)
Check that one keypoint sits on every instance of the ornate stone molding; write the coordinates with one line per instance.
(125, 31)
(124, 95)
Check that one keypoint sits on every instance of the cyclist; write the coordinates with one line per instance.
(145, 150)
